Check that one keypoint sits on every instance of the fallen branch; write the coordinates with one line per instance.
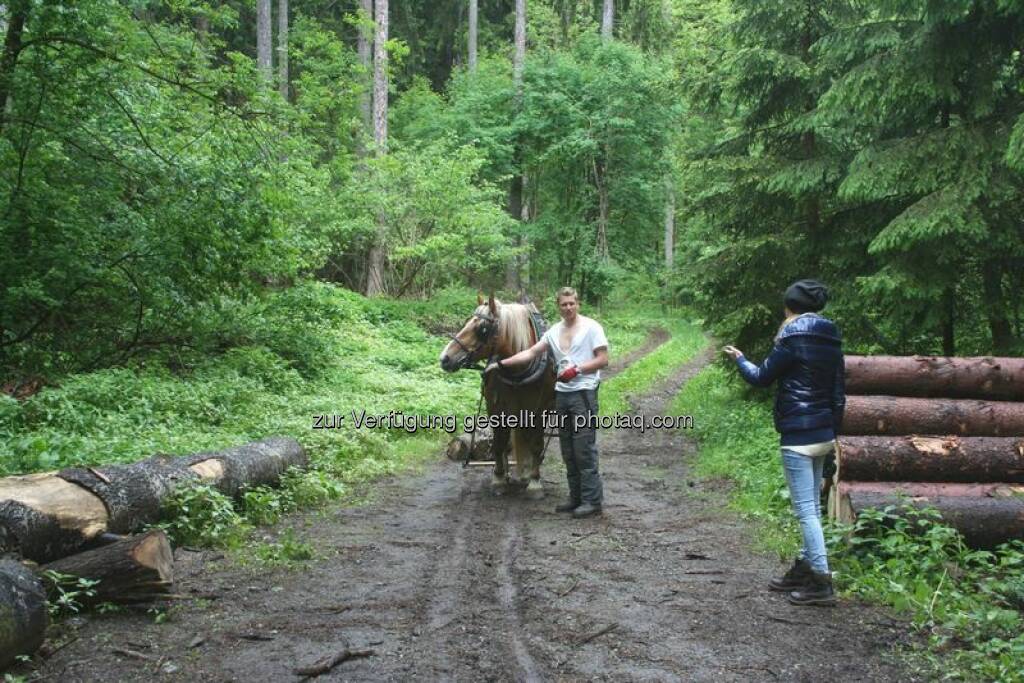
(327, 663)
(597, 634)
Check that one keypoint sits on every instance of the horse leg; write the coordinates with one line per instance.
(528, 461)
(499, 453)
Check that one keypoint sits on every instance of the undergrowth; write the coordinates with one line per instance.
(966, 604)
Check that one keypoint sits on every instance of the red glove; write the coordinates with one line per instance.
(568, 374)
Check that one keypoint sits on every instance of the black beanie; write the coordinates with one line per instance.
(806, 296)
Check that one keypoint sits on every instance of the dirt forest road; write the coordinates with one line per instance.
(445, 581)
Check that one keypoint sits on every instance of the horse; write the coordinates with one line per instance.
(498, 330)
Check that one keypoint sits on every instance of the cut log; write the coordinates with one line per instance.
(948, 377)
(932, 458)
(891, 415)
(985, 514)
(47, 516)
(136, 569)
(23, 615)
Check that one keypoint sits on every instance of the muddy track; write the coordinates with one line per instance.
(445, 581)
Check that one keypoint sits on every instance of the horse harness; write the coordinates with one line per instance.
(484, 332)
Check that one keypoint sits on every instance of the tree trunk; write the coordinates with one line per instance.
(263, 41)
(601, 180)
(995, 307)
(203, 27)
(135, 569)
(12, 48)
(937, 459)
(375, 267)
(473, 12)
(985, 514)
(52, 515)
(282, 47)
(670, 226)
(979, 377)
(607, 19)
(948, 322)
(23, 615)
(364, 46)
(965, 417)
(513, 280)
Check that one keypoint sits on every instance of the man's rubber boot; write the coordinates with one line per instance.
(794, 578)
(568, 506)
(817, 591)
(586, 510)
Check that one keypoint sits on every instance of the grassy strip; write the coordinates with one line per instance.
(967, 604)
(687, 340)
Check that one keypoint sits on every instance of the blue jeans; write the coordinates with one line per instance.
(803, 476)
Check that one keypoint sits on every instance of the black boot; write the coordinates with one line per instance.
(817, 591)
(586, 510)
(794, 578)
(568, 506)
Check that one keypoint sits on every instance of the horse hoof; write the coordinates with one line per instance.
(534, 490)
(499, 485)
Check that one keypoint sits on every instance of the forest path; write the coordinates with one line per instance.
(445, 581)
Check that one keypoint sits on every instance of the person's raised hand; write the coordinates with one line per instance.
(732, 352)
(492, 367)
(568, 374)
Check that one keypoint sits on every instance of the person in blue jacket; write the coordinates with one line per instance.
(807, 364)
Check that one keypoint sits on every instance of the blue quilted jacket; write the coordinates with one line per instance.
(807, 362)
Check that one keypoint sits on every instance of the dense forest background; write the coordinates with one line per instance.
(166, 165)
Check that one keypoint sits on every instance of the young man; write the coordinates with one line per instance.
(580, 350)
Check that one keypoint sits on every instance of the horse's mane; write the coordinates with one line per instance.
(514, 324)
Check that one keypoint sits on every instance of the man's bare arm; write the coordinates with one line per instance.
(600, 360)
(524, 356)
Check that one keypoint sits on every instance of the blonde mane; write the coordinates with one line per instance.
(513, 323)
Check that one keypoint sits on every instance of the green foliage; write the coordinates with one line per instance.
(870, 147)
(67, 593)
(288, 550)
(202, 516)
(967, 602)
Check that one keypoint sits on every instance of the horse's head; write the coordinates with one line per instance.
(476, 340)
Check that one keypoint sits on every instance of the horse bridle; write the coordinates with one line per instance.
(484, 332)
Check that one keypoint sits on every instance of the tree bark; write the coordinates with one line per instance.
(135, 569)
(607, 19)
(364, 46)
(282, 47)
(601, 180)
(513, 279)
(473, 20)
(375, 268)
(670, 226)
(980, 377)
(263, 41)
(985, 514)
(52, 515)
(965, 417)
(23, 615)
(932, 459)
(12, 48)
(995, 306)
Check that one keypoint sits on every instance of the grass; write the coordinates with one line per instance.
(966, 605)
(686, 341)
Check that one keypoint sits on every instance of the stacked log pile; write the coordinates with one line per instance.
(78, 520)
(941, 432)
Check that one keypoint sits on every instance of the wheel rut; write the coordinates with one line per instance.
(446, 581)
